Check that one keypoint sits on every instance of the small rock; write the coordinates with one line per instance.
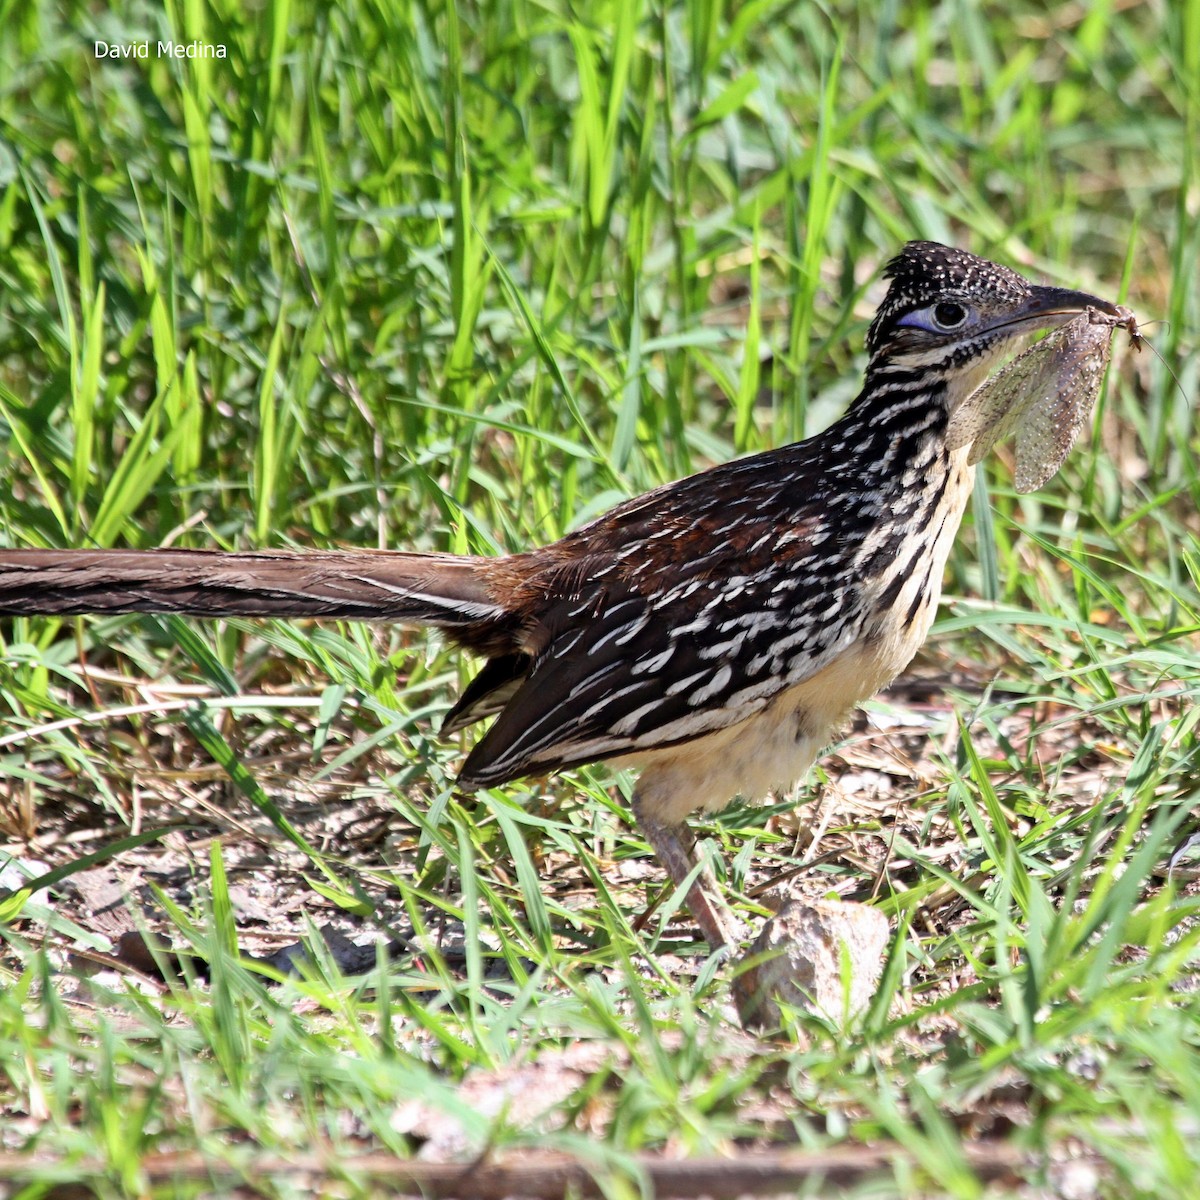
(15, 873)
(810, 946)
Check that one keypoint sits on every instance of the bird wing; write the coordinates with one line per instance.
(672, 619)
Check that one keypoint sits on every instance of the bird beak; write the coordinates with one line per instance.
(1049, 307)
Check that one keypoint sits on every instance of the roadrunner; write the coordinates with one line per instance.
(713, 632)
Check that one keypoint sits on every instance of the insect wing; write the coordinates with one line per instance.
(1049, 428)
(993, 411)
(1042, 397)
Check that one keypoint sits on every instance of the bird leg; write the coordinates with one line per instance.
(675, 848)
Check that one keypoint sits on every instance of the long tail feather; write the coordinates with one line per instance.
(430, 589)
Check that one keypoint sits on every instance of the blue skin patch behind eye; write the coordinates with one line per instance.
(922, 318)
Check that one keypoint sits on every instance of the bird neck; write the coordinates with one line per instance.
(892, 456)
(897, 496)
(898, 419)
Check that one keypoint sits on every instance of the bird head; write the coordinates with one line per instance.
(954, 313)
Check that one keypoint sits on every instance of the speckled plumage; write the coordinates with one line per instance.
(713, 631)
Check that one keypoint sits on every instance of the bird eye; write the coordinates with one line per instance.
(942, 317)
(949, 315)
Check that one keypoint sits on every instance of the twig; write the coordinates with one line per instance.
(534, 1176)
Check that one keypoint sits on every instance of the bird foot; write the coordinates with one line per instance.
(674, 848)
